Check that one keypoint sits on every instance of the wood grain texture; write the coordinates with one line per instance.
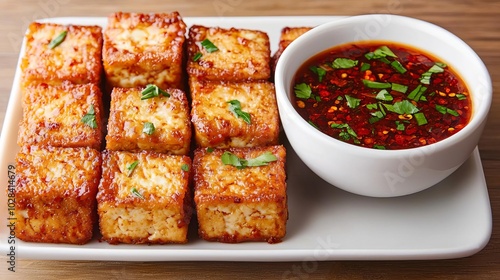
(476, 22)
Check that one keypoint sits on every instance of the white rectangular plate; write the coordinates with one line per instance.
(449, 220)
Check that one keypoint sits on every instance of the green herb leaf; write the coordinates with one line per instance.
(383, 51)
(131, 167)
(58, 40)
(346, 132)
(420, 117)
(384, 95)
(302, 91)
(372, 106)
(318, 71)
(372, 84)
(197, 56)
(400, 126)
(398, 66)
(185, 167)
(444, 110)
(210, 149)
(151, 91)
(364, 67)
(399, 87)
(235, 108)
(425, 78)
(89, 118)
(313, 124)
(136, 193)
(209, 46)
(149, 128)
(417, 93)
(402, 107)
(261, 160)
(379, 147)
(461, 96)
(229, 158)
(344, 63)
(352, 102)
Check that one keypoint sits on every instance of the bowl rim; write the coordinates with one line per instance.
(478, 117)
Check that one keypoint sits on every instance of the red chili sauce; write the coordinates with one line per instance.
(381, 95)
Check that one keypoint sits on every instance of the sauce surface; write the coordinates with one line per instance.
(381, 95)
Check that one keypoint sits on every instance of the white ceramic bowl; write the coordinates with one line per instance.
(372, 172)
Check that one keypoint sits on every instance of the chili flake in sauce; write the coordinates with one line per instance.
(381, 95)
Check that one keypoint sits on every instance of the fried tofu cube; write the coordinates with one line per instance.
(240, 54)
(166, 117)
(77, 58)
(144, 197)
(141, 49)
(216, 120)
(62, 116)
(240, 204)
(56, 194)
(288, 35)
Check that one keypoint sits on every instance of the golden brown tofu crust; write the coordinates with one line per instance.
(216, 126)
(141, 49)
(55, 194)
(288, 35)
(225, 193)
(52, 116)
(77, 59)
(243, 54)
(170, 116)
(171, 199)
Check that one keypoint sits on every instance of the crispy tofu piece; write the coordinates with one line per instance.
(141, 49)
(235, 205)
(215, 125)
(150, 203)
(76, 59)
(129, 114)
(56, 194)
(288, 35)
(242, 54)
(52, 116)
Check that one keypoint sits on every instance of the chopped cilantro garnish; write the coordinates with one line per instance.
(379, 147)
(398, 67)
(229, 158)
(302, 91)
(364, 67)
(372, 84)
(136, 193)
(417, 93)
(131, 167)
(384, 95)
(197, 56)
(420, 117)
(209, 46)
(235, 108)
(443, 110)
(318, 71)
(461, 96)
(151, 91)
(344, 63)
(402, 107)
(58, 40)
(185, 167)
(89, 118)
(346, 132)
(399, 87)
(400, 126)
(352, 102)
(149, 128)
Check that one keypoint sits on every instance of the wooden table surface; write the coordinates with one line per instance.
(476, 22)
